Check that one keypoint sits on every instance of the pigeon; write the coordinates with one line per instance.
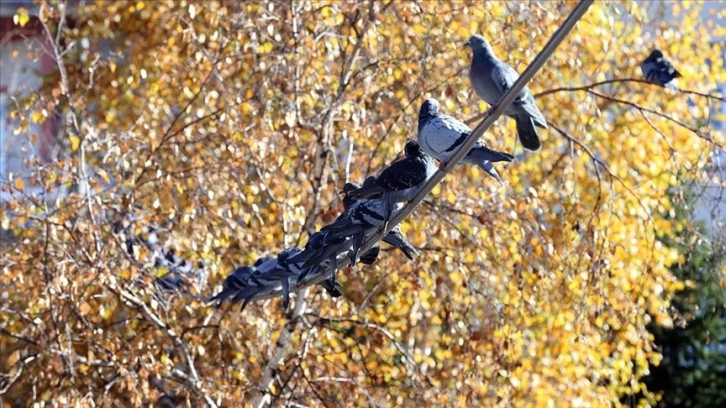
(658, 70)
(320, 252)
(401, 181)
(265, 274)
(235, 283)
(491, 78)
(396, 238)
(364, 217)
(284, 272)
(440, 135)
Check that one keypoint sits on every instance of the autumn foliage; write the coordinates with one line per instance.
(233, 125)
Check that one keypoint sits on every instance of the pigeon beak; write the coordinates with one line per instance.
(467, 43)
(341, 192)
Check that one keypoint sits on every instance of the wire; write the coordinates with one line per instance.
(485, 124)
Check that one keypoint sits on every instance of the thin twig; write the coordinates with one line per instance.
(623, 80)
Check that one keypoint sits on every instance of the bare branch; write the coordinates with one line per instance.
(622, 81)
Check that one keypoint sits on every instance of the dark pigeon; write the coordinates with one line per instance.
(401, 181)
(658, 70)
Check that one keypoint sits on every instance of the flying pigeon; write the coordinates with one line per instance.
(400, 181)
(491, 78)
(658, 70)
(440, 135)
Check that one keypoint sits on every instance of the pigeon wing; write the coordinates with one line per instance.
(403, 175)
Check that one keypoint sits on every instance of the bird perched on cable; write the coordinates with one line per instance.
(265, 275)
(360, 219)
(321, 252)
(658, 70)
(401, 181)
(364, 217)
(491, 78)
(440, 135)
(240, 284)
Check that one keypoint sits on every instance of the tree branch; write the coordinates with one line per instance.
(623, 81)
(190, 378)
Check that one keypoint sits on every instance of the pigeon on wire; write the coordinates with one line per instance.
(240, 280)
(491, 78)
(367, 217)
(321, 252)
(394, 237)
(401, 181)
(440, 135)
(658, 70)
(267, 274)
(360, 219)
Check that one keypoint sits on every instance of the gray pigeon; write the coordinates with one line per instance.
(658, 70)
(440, 135)
(265, 275)
(491, 78)
(363, 219)
(318, 254)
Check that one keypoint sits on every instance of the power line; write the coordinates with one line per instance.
(485, 124)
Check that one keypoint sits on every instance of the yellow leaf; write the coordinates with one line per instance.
(36, 116)
(451, 197)
(75, 143)
(104, 175)
(19, 184)
(21, 18)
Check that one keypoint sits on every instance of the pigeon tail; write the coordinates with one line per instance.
(401, 243)
(333, 288)
(331, 252)
(370, 257)
(527, 133)
(303, 256)
(223, 295)
(479, 154)
(336, 231)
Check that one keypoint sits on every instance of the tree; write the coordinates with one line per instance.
(233, 125)
(693, 369)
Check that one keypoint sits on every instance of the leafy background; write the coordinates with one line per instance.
(232, 126)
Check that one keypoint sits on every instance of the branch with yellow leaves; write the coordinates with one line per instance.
(189, 378)
(285, 337)
(625, 81)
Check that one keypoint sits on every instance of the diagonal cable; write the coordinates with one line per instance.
(509, 97)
